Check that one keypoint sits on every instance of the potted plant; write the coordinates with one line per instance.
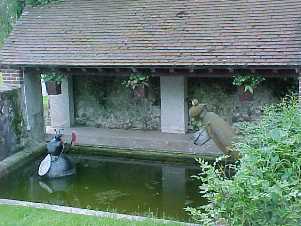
(246, 84)
(53, 83)
(137, 83)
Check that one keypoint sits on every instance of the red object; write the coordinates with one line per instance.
(53, 88)
(140, 91)
(244, 95)
(73, 137)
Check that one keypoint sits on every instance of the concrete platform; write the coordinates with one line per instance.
(143, 141)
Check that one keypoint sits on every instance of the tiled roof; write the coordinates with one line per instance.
(158, 32)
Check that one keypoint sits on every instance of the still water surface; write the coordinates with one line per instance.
(116, 185)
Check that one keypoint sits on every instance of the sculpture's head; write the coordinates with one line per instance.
(194, 102)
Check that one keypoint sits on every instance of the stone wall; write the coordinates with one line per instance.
(224, 99)
(105, 102)
(12, 130)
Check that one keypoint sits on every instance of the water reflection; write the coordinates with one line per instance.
(174, 187)
(125, 186)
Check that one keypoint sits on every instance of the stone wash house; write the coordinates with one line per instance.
(189, 49)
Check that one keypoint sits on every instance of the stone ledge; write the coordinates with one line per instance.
(87, 212)
(19, 159)
(141, 154)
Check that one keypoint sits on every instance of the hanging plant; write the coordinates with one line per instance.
(248, 81)
(137, 83)
(53, 82)
(246, 84)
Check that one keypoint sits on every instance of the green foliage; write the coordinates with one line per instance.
(248, 81)
(16, 117)
(136, 80)
(195, 125)
(10, 10)
(266, 189)
(53, 77)
(21, 216)
(39, 2)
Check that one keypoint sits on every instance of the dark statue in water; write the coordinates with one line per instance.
(56, 164)
(215, 128)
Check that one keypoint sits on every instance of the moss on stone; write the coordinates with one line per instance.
(16, 120)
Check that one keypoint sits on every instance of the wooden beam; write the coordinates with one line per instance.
(275, 71)
(187, 71)
(171, 70)
(230, 69)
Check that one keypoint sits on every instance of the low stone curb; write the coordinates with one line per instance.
(87, 212)
(135, 153)
(20, 159)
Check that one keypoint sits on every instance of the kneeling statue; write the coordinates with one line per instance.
(56, 164)
(215, 128)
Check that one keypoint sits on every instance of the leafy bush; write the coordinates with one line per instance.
(136, 80)
(266, 189)
(39, 2)
(10, 10)
(52, 77)
(248, 81)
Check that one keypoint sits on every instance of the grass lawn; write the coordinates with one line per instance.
(23, 216)
(45, 102)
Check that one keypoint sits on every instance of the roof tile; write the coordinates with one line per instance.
(157, 32)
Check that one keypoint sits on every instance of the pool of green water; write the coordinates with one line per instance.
(116, 185)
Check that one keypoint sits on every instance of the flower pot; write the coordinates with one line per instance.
(53, 88)
(244, 95)
(139, 91)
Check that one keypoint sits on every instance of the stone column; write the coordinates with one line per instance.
(174, 115)
(62, 106)
(33, 105)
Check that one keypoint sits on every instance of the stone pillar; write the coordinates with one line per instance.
(62, 106)
(13, 77)
(33, 105)
(174, 113)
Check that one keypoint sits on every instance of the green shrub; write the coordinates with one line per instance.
(53, 77)
(39, 2)
(266, 189)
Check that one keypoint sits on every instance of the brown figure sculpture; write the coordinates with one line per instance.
(195, 110)
(217, 128)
